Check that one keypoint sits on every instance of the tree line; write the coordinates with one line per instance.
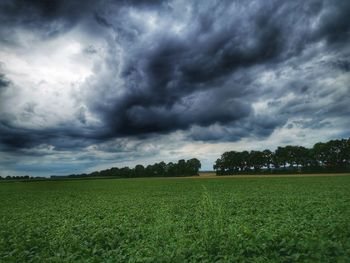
(331, 156)
(22, 177)
(181, 168)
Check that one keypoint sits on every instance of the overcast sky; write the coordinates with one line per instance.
(87, 85)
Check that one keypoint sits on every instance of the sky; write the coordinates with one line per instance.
(89, 85)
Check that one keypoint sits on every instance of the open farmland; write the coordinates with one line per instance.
(277, 219)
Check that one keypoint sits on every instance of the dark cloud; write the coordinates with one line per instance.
(52, 17)
(201, 78)
(160, 77)
(4, 82)
(342, 64)
(101, 20)
(65, 137)
(334, 22)
(37, 12)
(48, 18)
(258, 128)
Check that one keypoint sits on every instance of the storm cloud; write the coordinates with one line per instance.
(79, 74)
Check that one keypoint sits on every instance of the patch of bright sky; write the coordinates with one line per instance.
(44, 74)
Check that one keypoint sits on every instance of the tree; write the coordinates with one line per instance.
(320, 153)
(268, 156)
(171, 169)
(192, 166)
(301, 156)
(181, 167)
(160, 168)
(256, 159)
(149, 171)
(243, 158)
(333, 155)
(280, 157)
(219, 167)
(139, 170)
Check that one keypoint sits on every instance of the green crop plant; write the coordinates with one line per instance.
(287, 219)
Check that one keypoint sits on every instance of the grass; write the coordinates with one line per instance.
(290, 219)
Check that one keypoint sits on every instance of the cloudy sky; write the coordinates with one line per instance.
(86, 85)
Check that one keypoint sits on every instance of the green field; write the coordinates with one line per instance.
(289, 219)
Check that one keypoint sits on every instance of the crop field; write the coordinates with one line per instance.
(289, 219)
